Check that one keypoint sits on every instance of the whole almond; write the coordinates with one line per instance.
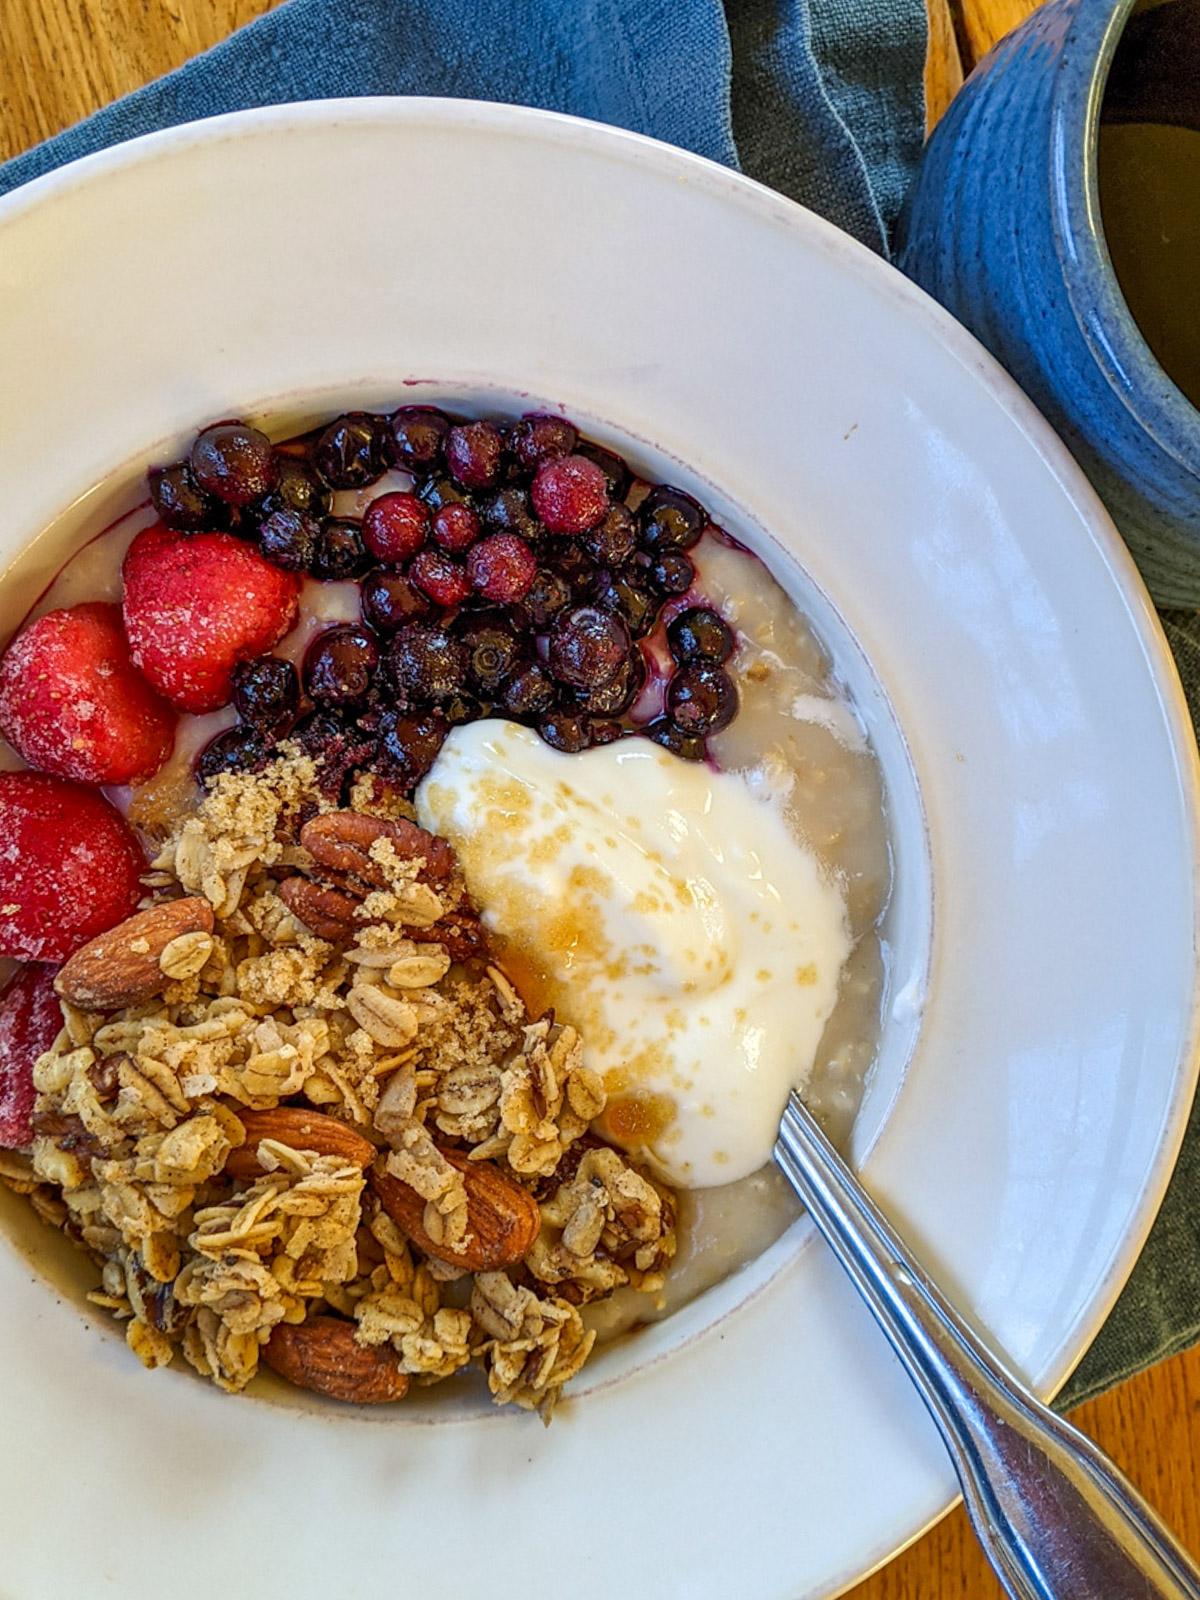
(322, 1354)
(502, 1218)
(299, 1129)
(122, 966)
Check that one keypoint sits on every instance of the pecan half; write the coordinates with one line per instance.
(461, 932)
(329, 913)
(340, 841)
(329, 904)
(68, 1132)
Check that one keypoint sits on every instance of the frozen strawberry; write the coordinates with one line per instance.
(30, 1018)
(73, 703)
(69, 866)
(197, 605)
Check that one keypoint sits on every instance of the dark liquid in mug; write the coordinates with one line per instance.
(1150, 206)
(1149, 172)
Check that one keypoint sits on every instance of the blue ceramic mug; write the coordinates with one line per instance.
(1003, 227)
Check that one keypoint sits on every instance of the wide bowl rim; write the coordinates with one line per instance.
(951, 336)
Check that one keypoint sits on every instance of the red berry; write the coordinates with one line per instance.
(502, 568)
(395, 527)
(455, 527)
(570, 494)
(30, 1019)
(443, 580)
(69, 866)
(473, 454)
(195, 607)
(73, 703)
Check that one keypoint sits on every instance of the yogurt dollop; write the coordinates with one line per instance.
(668, 914)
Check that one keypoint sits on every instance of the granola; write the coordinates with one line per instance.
(404, 1033)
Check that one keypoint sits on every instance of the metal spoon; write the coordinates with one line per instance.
(1056, 1518)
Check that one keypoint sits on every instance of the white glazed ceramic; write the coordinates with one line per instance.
(1042, 776)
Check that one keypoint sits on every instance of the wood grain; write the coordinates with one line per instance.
(60, 60)
(981, 22)
(943, 63)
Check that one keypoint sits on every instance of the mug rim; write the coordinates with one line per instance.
(1093, 289)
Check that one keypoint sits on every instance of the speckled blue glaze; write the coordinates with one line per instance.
(1003, 227)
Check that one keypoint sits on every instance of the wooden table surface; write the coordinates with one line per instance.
(60, 60)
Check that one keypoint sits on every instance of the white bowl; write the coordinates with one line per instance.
(1039, 1051)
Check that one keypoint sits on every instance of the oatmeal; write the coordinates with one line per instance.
(320, 1088)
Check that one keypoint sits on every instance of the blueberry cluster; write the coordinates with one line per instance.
(514, 578)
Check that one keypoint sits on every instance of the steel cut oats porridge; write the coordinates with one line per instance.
(436, 852)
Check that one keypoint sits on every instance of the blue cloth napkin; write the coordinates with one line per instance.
(821, 99)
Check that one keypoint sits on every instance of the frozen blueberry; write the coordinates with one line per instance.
(266, 694)
(427, 663)
(442, 491)
(511, 511)
(587, 647)
(417, 438)
(637, 606)
(701, 699)
(339, 666)
(389, 600)
(538, 438)
(235, 462)
(352, 450)
(239, 749)
(664, 732)
(699, 634)
(290, 539)
(613, 699)
(672, 573)
(546, 596)
(408, 745)
(616, 473)
(321, 734)
(529, 693)
(563, 730)
(180, 501)
(670, 519)
(495, 650)
(463, 707)
(611, 542)
(571, 561)
(298, 489)
(339, 551)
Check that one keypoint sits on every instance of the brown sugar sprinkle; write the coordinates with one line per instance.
(413, 1041)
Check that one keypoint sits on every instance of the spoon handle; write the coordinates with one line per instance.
(1056, 1518)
